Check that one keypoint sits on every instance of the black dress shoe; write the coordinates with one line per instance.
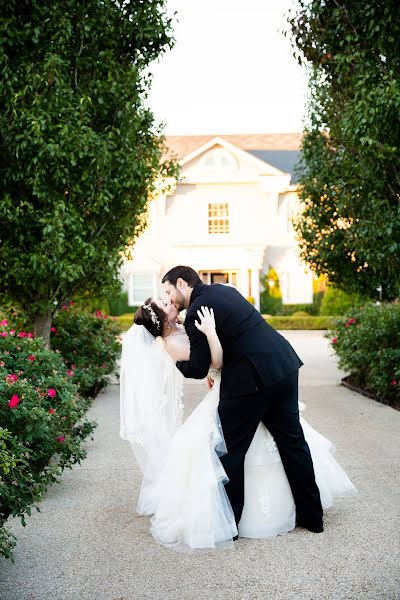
(235, 538)
(312, 528)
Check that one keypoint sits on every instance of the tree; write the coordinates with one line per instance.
(349, 226)
(79, 150)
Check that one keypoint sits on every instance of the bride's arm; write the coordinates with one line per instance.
(207, 326)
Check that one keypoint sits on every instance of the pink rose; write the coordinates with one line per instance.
(13, 401)
(4, 334)
(22, 334)
(51, 411)
(51, 392)
(31, 358)
(53, 329)
(11, 378)
(61, 438)
(12, 331)
(394, 382)
(70, 373)
(29, 335)
(4, 322)
(2, 363)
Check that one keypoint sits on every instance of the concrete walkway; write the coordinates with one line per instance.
(88, 543)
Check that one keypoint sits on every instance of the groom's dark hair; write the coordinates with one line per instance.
(186, 273)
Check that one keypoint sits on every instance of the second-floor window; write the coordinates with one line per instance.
(218, 218)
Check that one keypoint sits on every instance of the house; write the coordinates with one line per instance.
(229, 217)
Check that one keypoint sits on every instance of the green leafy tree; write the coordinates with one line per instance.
(79, 151)
(349, 227)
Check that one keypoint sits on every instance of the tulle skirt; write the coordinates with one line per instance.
(190, 505)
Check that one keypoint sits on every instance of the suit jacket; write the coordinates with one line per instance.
(255, 355)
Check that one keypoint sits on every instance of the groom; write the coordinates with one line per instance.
(259, 382)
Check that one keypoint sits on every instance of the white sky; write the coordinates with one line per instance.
(231, 70)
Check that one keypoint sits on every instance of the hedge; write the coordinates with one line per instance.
(43, 421)
(297, 322)
(367, 343)
(89, 345)
(294, 322)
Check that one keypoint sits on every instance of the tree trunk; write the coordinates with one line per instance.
(41, 327)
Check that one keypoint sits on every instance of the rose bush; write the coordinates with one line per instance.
(42, 415)
(89, 344)
(367, 342)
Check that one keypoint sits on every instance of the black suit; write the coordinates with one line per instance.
(259, 383)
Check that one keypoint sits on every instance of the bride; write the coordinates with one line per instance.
(183, 478)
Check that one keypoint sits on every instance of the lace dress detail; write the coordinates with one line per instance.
(214, 373)
(270, 444)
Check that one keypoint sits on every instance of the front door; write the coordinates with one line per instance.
(220, 276)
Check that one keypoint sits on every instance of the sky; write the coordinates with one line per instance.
(231, 70)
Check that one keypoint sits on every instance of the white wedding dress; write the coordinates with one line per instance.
(192, 510)
(183, 478)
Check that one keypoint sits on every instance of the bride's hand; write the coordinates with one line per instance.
(207, 320)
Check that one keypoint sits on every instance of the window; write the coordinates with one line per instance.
(219, 277)
(291, 212)
(218, 218)
(218, 159)
(141, 285)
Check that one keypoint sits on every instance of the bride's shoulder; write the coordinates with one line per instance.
(161, 341)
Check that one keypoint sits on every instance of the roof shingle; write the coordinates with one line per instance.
(182, 145)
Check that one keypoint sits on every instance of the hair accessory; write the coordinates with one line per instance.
(153, 315)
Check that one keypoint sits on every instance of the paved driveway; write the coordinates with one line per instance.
(88, 543)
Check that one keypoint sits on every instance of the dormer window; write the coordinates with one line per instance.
(218, 159)
(218, 218)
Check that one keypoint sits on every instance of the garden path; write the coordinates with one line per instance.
(88, 543)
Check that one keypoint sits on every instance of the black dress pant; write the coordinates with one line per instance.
(277, 407)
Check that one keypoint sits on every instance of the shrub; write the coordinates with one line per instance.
(89, 345)
(124, 322)
(293, 322)
(311, 309)
(119, 305)
(336, 302)
(43, 415)
(367, 342)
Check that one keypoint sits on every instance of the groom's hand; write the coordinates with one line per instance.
(210, 382)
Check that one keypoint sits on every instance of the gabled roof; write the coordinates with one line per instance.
(280, 150)
(220, 141)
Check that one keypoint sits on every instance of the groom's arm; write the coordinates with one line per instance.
(200, 357)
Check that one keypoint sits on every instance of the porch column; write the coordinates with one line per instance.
(244, 282)
(255, 287)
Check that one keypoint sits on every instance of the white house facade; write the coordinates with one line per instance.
(229, 217)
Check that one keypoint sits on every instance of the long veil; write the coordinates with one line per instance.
(150, 406)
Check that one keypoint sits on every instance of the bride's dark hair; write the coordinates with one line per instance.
(150, 316)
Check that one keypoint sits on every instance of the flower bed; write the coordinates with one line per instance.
(43, 424)
(367, 343)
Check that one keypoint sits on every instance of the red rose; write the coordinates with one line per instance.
(394, 382)
(51, 411)
(31, 357)
(334, 340)
(13, 401)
